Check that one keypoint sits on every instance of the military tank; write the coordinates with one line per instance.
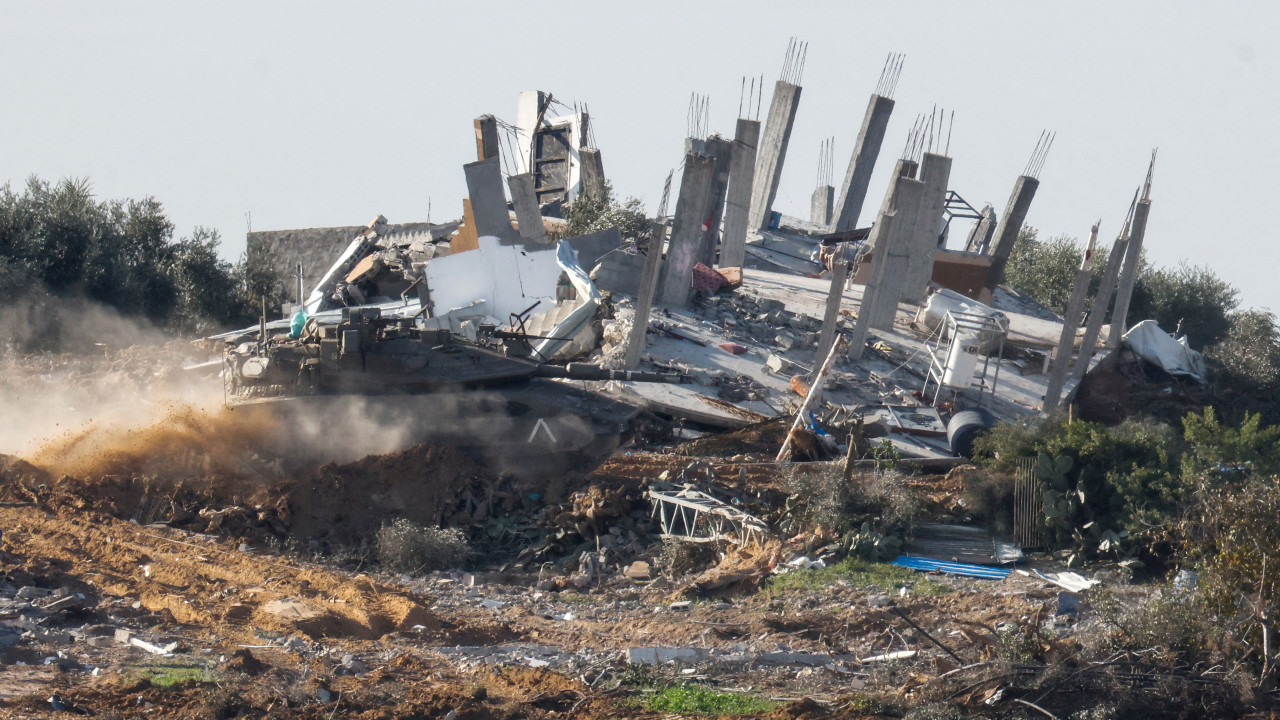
(487, 394)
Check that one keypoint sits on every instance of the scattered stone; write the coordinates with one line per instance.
(681, 605)
(351, 665)
(638, 570)
(491, 604)
(29, 592)
(878, 600)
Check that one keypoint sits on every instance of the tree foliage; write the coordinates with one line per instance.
(599, 210)
(1192, 298)
(58, 242)
(1044, 269)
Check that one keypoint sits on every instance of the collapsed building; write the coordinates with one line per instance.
(895, 319)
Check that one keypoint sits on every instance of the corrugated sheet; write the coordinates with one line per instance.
(965, 569)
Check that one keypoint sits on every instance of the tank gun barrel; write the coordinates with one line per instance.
(584, 371)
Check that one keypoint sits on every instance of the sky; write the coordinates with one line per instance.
(307, 114)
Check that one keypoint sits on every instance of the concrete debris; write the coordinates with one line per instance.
(154, 649)
(638, 570)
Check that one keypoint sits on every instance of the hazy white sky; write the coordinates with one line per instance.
(316, 113)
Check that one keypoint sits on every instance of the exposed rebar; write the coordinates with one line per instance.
(1038, 156)
(889, 75)
(1151, 168)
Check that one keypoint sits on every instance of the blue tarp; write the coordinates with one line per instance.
(966, 569)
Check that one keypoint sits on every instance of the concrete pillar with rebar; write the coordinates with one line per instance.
(896, 249)
(1101, 300)
(773, 152)
(853, 191)
(858, 339)
(1129, 276)
(722, 150)
(737, 204)
(935, 172)
(687, 229)
(1070, 324)
(821, 204)
(1015, 213)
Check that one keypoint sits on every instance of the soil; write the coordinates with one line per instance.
(234, 539)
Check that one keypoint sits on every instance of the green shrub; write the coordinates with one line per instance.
(404, 546)
(1108, 491)
(870, 511)
(700, 700)
(988, 498)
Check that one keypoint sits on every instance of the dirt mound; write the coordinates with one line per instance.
(210, 583)
(335, 505)
(1123, 385)
(430, 485)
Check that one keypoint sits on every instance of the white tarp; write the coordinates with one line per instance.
(588, 295)
(1160, 349)
(494, 280)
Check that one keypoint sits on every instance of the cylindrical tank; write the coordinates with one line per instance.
(962, 360)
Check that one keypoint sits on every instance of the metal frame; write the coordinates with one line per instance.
(990, 330)
(695, 516)
(954, 206)
(1028, 505)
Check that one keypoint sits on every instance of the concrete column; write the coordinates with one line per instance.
(1070, 323)
(773, 151)
(897, 250)
(903, 169)
(935, 172)
(1133, 257)
(528, 214)
(863, 161)
(1015, 213)
(858, 340)
(687, 229)
(722, 150)
(486, 137)
(644, 298)
(737, 204)
(1100, 303)
(826, 338)
(488, 200)
(591, 169)
(980, 236)
(821, 205)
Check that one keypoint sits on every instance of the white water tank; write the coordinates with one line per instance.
(962, 359)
